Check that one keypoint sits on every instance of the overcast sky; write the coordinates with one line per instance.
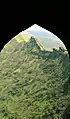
(48, 39)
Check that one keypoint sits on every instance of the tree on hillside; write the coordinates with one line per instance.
(61, 49)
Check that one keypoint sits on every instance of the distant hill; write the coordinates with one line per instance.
(34, 82)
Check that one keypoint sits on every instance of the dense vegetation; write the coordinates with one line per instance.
(34, 83)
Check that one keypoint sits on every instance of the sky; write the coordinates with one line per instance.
(45, 37)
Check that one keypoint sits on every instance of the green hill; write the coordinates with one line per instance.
(34, 83)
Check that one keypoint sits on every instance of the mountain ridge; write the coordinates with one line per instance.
(34, 83)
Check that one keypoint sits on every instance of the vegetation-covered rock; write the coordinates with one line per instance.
(34, 83)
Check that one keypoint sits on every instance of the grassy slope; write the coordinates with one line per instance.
(34, 84)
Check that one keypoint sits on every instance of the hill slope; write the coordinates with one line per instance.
(34, 84)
